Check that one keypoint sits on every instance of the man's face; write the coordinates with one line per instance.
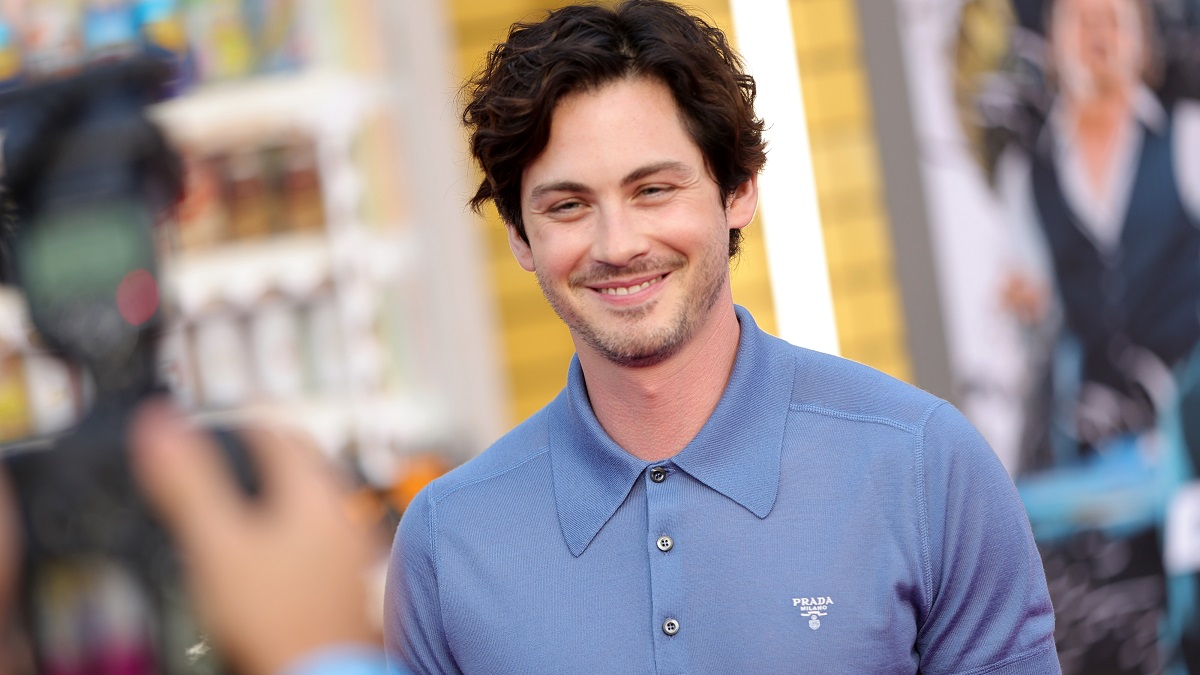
(1097, 45)
(628, 231)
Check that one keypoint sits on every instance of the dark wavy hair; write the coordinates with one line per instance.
(581, 47)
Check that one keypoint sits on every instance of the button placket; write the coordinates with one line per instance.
(665, 488)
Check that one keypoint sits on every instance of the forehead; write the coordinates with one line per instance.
(614, 127)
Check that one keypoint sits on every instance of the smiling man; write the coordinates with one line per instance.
(701, 497)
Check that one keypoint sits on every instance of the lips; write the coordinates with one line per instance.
(628, 287)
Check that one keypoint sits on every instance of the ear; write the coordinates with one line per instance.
(520, 249)
(741, 205)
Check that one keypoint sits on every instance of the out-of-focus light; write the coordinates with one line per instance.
(137, 297)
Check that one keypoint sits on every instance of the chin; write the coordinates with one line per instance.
(621, 350)
(638, 360)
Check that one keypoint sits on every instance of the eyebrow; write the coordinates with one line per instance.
(560, 186)
(632, 177)
(651, 169)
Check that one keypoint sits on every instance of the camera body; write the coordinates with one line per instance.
(86, 177)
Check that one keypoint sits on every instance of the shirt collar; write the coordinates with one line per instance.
(736, 452)
(1146, 109)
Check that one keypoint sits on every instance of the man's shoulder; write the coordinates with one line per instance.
(512, 451)
(838, 387)
(856, 394)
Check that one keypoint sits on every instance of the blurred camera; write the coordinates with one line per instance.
(86, 177)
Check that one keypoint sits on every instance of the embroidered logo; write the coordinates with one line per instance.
(813, 608)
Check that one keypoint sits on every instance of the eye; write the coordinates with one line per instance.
(655, 191)
(566, 207)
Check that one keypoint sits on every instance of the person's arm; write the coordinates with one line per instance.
(280, 583)
(413, 633)
(986, 607)
(1027, 280)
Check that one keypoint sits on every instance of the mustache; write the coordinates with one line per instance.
(601, 272)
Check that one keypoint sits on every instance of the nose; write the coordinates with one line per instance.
(617, 238)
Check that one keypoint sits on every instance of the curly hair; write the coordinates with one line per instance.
(582, 47)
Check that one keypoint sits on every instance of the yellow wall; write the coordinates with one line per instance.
(537, 347)
(854, 220)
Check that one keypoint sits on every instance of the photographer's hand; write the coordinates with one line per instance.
(274, 579)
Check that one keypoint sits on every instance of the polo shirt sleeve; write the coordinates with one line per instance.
(343, 660)
(986, 607)
(414, 638)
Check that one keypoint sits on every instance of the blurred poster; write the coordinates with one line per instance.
(1060, 151)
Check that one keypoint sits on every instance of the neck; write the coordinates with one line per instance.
(1099, 112)
(653, 412)
(1097, 125)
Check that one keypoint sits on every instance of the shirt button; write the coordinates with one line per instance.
(665, 543)
(670, 626)
(658, 474)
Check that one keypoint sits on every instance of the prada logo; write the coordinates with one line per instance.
(814, 608)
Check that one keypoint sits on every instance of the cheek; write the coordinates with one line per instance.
(698, 230)
(693, 221)
(557, 256)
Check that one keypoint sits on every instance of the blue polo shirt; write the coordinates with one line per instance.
(827, 518)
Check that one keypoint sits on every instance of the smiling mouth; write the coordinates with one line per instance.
(627, 290)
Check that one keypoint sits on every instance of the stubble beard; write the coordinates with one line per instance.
(621, 340)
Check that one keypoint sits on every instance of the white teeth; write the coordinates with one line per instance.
(626, 290)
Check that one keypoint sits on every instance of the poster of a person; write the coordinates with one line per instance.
(1060, 148)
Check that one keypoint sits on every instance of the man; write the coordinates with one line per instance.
(701, 497)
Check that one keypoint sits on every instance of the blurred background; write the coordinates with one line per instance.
(1001, 200)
